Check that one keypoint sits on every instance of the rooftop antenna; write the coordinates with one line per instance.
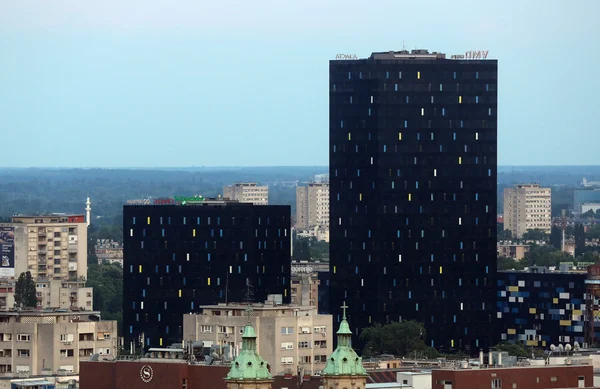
(403, 45)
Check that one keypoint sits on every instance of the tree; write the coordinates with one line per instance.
(535, 234)
(593, 232)
(545, 255)
(589, 214)
(556, 237)
(504, 234)
(579, 234)
(507, 263)
(399, 339)
(25, 293)
(301, 250)
(514, 349)
(107, 281)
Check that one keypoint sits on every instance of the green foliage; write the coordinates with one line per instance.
(107, 281)
(399, 339)
(25, 293)
(301, 250)
(593, 232)
(306, 249)
(515, 349)
(504, 234)
(506, 263)
(589, 214)
(545, 255)
(535, 234)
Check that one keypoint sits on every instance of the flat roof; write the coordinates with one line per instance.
(48, 313)
(259, 307)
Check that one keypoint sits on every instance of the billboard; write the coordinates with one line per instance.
(7, 251)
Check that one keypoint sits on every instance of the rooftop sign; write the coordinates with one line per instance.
(138, 202)
(346, 56)
(474, 54)
(189, 200)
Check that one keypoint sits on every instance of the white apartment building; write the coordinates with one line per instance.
(47, 342)
(289, 337)
(247, 192)
(312, 206)
(49, 246)
(527, 207)
(64, 294)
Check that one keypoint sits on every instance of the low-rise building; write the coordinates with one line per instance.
(109, 251)
(294, 337)
(515, 251)
(51, 341)
(534, 377)
(305, 289)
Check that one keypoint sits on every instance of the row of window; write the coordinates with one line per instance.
(417, 74)
(198, 220)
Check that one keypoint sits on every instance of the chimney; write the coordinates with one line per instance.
(491, 362)
(500, 358)
(480, 358)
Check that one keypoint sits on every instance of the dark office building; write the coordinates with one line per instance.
(413, 193)
(179, 257)
(540, 307)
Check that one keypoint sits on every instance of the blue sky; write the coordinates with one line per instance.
(144, 83)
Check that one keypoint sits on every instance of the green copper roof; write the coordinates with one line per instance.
(249, 365)
(344, 360)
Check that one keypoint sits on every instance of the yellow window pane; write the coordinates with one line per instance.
(349, 136)
(460, 160)
(148, 219)
(440, 270)
(140, 268)
(360, 197)
(418, 75)
(399, 136)
(511, 331)
(513, 288)
(160, 341)
(208, 281)
(409, 197)
(179, 292)
(459, 99)
(533, 311)
(555, 301)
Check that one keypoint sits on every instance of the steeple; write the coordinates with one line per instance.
(249, 368)
(344, 366)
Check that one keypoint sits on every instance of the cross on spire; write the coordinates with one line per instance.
(344, 306)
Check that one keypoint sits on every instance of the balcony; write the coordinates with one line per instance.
(41, 232)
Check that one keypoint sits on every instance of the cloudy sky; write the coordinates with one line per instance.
(148, 83)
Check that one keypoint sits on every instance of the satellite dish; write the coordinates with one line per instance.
(94, 357)
(552, 347)
(567, 347)
(560, 347)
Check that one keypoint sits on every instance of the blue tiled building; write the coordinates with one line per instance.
(541, 307)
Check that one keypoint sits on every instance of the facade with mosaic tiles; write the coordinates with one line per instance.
(541, 307)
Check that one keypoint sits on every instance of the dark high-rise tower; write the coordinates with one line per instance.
(199, 252)
(413, 193)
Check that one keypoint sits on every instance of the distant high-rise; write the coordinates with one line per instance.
(527, 207)
(247, 192)
(312, 206)
(413, 193)
(196, 252)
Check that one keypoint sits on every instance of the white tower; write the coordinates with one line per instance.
(88, 210)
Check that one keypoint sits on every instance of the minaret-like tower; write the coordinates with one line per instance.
(88, 210)
(249, 370)
(344, 367)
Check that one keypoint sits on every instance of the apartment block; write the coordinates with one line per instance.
(527, 207)
(64, 294)
(290, 337)
(49, 246)
(247, 192)
(50, 341)
(312, 206)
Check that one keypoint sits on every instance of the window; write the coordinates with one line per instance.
(23, 338)
(553, 379)
(304, 344)
(287, 345)
(287, 330)
(305, 359)
(206, 329)
(320, 329)
(496, 383)
(66, 338)
(287, 360)
(23, 353)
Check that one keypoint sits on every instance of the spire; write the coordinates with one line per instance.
(249, 365)
(344, 360)
(88, 209)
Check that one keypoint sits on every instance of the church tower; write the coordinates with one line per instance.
(249, 370)
(344, 367)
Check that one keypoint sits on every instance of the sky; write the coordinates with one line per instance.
(163, 83)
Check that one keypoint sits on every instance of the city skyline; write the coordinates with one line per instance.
(123, 85)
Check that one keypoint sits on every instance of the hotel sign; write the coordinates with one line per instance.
(474, 54)
(138, 202)
(189, 200)
(346, 56)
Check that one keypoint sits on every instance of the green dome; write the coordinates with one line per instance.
(249, 365)
(344, 360)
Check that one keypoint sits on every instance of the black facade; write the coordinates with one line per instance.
(177, 258)
(413, 194)
(540, 308)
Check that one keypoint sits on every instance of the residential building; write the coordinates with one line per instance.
(305, 289)
(413, 193)
(291, 337)
(64, 294)
(540, 307)
(527, 207)
(514, 251)
(50, 341)
(109, 251)
(312, 206)
(49, 246)
(533, 377)
(180, 257)
(592, 311)
(247, 192)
